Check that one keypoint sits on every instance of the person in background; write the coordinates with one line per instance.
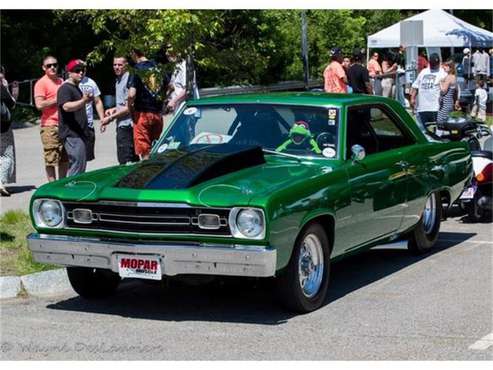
(467, 67)
(144, 102)
(7, 144)
(422, 61)
(491, 63)
(124, 126)
(45, 94)
(74, 128)
(427, 88)
(346, 63)
(389, 66)
(448, 92)
(335, 79)
(358, 76)
(484, 65)
(178, 84)
(374, 70)
(478, 110)
(400, 58)
(476, 64)
(89, 87)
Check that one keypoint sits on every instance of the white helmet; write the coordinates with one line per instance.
(467, 51)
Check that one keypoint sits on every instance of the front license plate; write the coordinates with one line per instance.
(468, 193)
(141, 267)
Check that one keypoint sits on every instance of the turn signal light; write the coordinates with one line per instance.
(485, 175)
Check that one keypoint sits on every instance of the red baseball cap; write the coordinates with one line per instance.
(75, 63)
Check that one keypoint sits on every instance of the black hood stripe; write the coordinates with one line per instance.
(181, 169)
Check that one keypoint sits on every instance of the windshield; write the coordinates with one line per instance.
(297, 130)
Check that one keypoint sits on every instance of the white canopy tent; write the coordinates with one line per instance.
(440, 29)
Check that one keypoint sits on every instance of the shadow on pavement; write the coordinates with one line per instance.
(242, 300)
(20, 189)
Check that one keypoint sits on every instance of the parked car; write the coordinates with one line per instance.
(277, 185)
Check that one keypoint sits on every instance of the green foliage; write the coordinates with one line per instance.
(229, 46)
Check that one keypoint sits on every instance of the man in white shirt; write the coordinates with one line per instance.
(89, 87)
(177, 86)
(427, 88)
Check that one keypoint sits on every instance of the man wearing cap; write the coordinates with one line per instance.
(74, 129)
(427, 87)
(45, 92)
(335, 79)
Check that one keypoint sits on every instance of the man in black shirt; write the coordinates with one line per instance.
(73, 126)
(358, 77)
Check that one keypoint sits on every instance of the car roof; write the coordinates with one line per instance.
(295, 98)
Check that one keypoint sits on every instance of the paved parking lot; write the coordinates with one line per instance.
(384, 305)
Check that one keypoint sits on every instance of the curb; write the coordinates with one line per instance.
(10, 286)
(39, 284)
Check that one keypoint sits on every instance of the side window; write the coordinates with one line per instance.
(359, 130)
(388, 134)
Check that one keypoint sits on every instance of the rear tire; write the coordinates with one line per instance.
(92, 283)
(303, 285)
(425, 234)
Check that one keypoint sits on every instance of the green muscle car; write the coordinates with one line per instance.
(276, 185)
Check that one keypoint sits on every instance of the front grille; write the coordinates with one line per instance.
(159, 218)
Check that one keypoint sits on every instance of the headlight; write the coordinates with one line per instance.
(48, 213)
(247, 223)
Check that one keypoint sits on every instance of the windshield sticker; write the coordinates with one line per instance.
(162, 148)
(332, 122)
(210, 138)
(190, 111)
(332, 113)
(174, 145)
(329, 152)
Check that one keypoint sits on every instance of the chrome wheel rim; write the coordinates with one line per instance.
(429, 214)
(311, 265)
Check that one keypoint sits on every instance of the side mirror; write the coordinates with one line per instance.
(358, 153)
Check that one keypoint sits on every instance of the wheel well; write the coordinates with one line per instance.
(445, 198)
(327, 223)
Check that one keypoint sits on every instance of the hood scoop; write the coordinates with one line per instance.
(181, 169)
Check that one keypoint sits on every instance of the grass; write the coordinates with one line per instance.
(15, 257)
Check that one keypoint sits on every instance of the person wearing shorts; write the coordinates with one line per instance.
(144, 102)
(45, 94)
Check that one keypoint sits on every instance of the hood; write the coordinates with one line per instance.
(219, 178)
(182, 169)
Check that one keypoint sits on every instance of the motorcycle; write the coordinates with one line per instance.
(476, 199)
(459, 129)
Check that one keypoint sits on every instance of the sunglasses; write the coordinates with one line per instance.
(79, 70)
(51, 65)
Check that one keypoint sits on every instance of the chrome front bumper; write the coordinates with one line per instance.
(176, 258)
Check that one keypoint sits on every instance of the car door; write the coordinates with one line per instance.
(378, 182)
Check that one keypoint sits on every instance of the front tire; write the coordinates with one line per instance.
(92, 283)
(425, 234)
(303, 286)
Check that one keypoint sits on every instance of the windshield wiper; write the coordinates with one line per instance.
(282, 154)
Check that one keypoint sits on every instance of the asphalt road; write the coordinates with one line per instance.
(383, 305)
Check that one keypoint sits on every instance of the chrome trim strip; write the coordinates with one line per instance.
(143, 222)
(149, 234)
(140, 216)
(176, 258)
